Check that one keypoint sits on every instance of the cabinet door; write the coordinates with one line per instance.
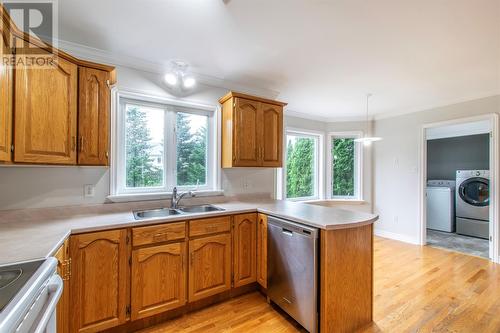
(210, 266)
(45, 105)
(5, 105)
(99, 280)
(158, 279)
(246, 133)
(93, 116)
(272, 135)
(62, 256)
(262, 250)
(245, 247)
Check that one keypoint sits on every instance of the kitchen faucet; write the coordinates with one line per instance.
(174, 202)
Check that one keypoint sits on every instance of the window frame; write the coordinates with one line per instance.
(118, 189)
(358, 165)
(318, 159)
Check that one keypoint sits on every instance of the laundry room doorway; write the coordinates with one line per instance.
(459, 186)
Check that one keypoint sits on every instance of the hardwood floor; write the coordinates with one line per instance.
(417, 289)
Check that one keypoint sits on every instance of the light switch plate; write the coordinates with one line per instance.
(89, 191)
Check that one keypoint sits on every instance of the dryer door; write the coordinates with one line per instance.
(475, 191)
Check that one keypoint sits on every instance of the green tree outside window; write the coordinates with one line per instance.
(300, 167)
(343, 167)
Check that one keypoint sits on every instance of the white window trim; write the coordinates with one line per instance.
(358, 164)
(214, 177)
(319, 159)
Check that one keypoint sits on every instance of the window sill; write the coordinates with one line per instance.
(158, 196)
(340, 201)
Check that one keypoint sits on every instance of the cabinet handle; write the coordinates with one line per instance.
(81, 143)
(73, 139)
(160, 236)
(192, 258)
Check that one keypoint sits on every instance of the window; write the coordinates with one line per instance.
(302, 166)
(344, 166)
(160, 146)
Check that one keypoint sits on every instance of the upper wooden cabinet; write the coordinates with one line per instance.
(244, 249)
(99, 280)
(5, 104)
(252, 131)
(93, 116)
(45, 105)
(54, 108)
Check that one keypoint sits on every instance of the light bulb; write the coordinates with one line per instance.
(189, 82)
(171, 79)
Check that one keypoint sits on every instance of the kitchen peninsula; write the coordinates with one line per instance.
(226, 251)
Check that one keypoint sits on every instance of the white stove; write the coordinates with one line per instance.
(29, 292)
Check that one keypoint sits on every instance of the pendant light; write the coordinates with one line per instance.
(367, 140)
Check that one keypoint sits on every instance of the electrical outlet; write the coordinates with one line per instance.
(89, 191)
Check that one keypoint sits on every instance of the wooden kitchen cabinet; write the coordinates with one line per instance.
(272, 135)
(158, 279)
(99, 280)
(262, 250)
(54, 108)
(252, 131)
(63, 269)
(93, 116)
(45, 117)
(245, 249)
(210, 266)
(5, 104)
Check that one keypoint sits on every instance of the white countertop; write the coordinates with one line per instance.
(37, 233)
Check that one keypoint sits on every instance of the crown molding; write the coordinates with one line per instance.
(119, 60)
(339, 119)
(394, 114)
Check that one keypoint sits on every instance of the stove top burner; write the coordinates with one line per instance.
(8, 277)
(13, 277)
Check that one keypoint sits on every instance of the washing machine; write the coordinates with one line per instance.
(473, 203)
(441, 205)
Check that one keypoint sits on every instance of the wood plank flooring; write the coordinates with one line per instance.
(417, 289)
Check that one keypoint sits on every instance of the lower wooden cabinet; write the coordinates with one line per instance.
(262, 250)
(63, 269)
(245, 249)
(158, 279)
(99, 280)
(130, 274)
(210, 266)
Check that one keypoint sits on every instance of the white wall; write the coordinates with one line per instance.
(41, 186)
(397, 161)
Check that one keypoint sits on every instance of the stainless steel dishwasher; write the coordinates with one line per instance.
(293, 270)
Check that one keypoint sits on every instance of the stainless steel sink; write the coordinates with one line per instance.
(165, 212)
(200, 209)
(152, 213)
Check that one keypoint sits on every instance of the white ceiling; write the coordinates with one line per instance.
(322, 56)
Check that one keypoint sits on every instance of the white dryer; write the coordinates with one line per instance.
(441, 205)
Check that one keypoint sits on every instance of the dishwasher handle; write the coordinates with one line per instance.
(290, 228)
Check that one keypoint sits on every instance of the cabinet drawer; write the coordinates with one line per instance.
(158, 233)
(209, 226)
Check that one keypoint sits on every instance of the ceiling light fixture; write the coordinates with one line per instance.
(367, 140)
(178, 76)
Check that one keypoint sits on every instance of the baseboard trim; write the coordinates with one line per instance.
(396, 236)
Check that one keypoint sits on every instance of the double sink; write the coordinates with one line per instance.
(165, 212)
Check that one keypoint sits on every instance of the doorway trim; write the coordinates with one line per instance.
(494, 178)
